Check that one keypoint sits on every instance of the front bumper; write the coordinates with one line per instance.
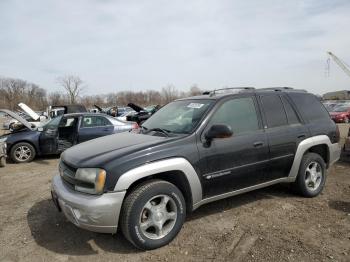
(98, 213)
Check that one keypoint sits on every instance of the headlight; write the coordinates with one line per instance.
(92, 180)
(3, 139)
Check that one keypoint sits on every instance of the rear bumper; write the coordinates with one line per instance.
(334, 153)
(98, 213)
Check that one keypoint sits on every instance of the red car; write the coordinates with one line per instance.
(341, 114)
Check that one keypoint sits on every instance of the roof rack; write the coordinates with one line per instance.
(283, 88)
(226, 89)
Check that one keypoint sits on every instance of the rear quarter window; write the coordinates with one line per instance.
(309, 106)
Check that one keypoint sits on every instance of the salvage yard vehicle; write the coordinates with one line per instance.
(59, 134)
(141, 114)
(194, 151)
(34, 118)
(59, 110)
(2, 154)
(341, 114)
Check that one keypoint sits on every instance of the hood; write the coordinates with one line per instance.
(98, 108)
(136, 107)
(101, 150)
(18, 118)
(29, 111)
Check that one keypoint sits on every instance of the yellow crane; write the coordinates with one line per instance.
(339, 62)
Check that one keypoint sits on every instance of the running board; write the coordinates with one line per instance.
(243, 190)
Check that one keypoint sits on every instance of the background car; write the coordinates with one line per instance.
(341, 114)
(59, 134)
(142, 114)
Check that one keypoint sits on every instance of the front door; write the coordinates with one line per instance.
(239, 161)
(48, 138)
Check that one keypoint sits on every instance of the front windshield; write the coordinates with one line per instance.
(53, 123)
(179, 116)
(341, 109)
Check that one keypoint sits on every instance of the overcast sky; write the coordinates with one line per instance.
(139, 45)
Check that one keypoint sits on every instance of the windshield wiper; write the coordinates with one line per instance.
(158, 129)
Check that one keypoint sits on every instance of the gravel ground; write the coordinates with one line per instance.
(271, 224)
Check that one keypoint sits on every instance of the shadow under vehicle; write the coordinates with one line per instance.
(60, 133)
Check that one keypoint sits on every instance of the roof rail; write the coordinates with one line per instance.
(227, 88)
(283, 88)
(278, 88)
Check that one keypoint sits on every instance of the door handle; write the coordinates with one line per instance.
(258, 144)
(301, 136)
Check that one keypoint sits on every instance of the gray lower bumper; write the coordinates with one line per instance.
(98, 213)
(334, 153)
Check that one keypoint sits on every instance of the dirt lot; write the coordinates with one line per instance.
(272, 224)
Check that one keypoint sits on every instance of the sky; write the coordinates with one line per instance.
(140, 45)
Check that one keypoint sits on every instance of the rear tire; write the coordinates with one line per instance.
(2, 161)
(22, 152)
(153, 214)
(312, 175)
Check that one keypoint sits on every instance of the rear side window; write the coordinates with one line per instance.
(310, 107)
(274, 111)
(95, 121)
(239, 114)
(291, 114)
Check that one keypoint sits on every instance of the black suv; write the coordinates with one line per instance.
(194, 151)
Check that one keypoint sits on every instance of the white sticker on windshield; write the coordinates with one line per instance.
(195, 105)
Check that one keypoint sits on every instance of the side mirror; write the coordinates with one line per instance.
(218, 131)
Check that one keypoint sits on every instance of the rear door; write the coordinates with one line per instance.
(94, 126)
(284, 131)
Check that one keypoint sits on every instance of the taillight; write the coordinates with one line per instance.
(135, 126)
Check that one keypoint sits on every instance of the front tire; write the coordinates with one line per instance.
(22, 152)
(153, 214)
(312, 175)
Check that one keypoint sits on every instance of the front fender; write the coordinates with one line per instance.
(171, 164)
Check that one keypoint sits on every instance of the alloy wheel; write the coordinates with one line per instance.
(158, 217)
(23, 153)
(313, 176)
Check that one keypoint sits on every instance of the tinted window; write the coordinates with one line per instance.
(238, 113)
(94, 121)
(310, 107)
(274, 111)
(291, 115)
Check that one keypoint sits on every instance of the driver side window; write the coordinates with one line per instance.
(240, 114)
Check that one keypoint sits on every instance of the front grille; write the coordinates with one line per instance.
(67, 174)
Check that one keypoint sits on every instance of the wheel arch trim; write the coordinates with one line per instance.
(333, 152)
(166, 165)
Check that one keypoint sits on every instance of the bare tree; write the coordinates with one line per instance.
(73, 86)
(169, 93)
(195, 91)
